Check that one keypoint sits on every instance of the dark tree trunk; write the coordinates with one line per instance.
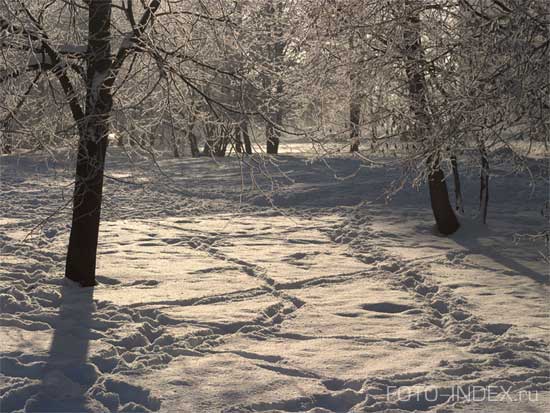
(94, 130)
(246, 137)
(445, 217)
(459, 205)
(273, 134)
(354, 119)
(174, 139)
(484, 184)
(193, 145)
(354, 102)
(237, 139)
(443, 211)
(274, 9)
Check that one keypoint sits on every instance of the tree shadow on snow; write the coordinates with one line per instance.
(498, 254)
(67, 375)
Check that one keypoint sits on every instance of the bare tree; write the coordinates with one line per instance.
(415, 64)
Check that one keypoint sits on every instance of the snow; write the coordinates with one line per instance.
(326, 297)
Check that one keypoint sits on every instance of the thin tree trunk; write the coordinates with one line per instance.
(243, 126)
(272, 139)
(237, 139)
(191, 137)
(272, 133)
(354, 103)
(354, 119)
(94, 130)
(274, 10)
(174, 140)
(484, 184)
(459, 205)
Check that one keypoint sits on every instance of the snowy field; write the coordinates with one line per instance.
(308, 291)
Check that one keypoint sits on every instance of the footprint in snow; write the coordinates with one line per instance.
(498, 329)
(146, 283)
(386, 307)
(106, 280)
(50, 233)
(348, 314)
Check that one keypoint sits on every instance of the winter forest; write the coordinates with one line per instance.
(274, 206)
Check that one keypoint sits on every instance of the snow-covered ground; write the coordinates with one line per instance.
(308, 292)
